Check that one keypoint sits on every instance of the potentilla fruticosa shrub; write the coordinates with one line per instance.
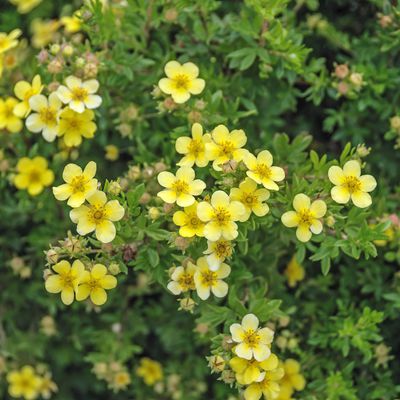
(199, 199)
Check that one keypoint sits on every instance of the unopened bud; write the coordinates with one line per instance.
(114, 268)
(187, 304)
(154, 213)
(216, 363)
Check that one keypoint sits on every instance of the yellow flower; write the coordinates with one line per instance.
(180, 188)
(188, 221)
(79, 95)
(72, 24)
(94, 284)
(217, 252)
(150, 370)
(8, 120)
(269, 386)
(9, 41)
(208, 281)
(194, 148)
(66, 280)
(79, 185)
(249, 371)
(47, 386)
(73, 126)
(33, 175)
(112, 152)
(24, 383)
(252, 341)
(43, 32)
(226, 146)
(305, 217)
(182, 279)
(350, 184)
(220, 216)
(262, 171)
(120, 380)
(252, 198)
(24, 91)
(45, 116)
(292, 381)
(294, 272)
(24, 6)
(98, 216)
(181, 81)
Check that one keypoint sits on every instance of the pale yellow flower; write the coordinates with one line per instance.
(44, 32)
(9, 41)
(182, 279)
(217, 252)
(24, 91)
(188, 221)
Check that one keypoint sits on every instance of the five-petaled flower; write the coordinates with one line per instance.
(45, 116)
(193, 148)
(220, 216)
(79, 95)
(292, 381)
(79, 185)
(66, 280)
(226, 146)
(94, 283)
(188, 221)
(8, 120)
(252, 341)
(350, 184)
(252, 198)
(33, 175)
(24, 383)
(24, 91)
(150, 370)
(261, 170)
(269, 386)
(98, 216)
(182, 279)
(306, 217)
(182, 81)
(180, 188)
(217, 252)
(208, 281)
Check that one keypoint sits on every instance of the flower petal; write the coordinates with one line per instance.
(250, 321)
(290, 219)
(361, 199)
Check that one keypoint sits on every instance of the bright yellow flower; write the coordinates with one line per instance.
(24, 6)
(220, 216)
(180, 188)
(252, 198)
(24, 91)
(181, 81)
(43, 32)
(79, 95)
(72, 24)
(262, 171)
(294, 272)
(47, 386)
(292, 381)
(226, 146)
(252, 341)
(79, 186)
(8, 120)
(45, 116)
(98, 216)
(9, 41)
(194, 148)
(24, 383)
(188, 221)
(217, 252)
(306, 217)
(350, 184)
(208, 281)
(33, 175)
(182, 279)
(112, 152)
(269, 386)
(66, 280)
(73, 126)
(150, 370)
(249, 371)
(94, 284)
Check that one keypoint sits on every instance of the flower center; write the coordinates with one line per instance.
(180, 187)
(29, 93)
(78, 184)
(9, 112)
(223, 250)
(249, 199)
(305, 217)
(222, 215)
(48, 116)
(209, 278)
(251, 338)
(74, 124)
(263, 171)
(226, 148)
(195, 147)
(194, 221)
(34, 176)
(97, 214)
(186, 282)
(79, 94)
(67, 280)
(352, 184)
(182, 81)
(93, 283)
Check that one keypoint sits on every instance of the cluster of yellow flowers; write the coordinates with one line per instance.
(98, 214)
(29, 383)
(79, 282)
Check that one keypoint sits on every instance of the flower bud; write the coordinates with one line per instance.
(134, 173)
(341, 71)
(171, 15)
(68, 50)
(55, 49)
(181, 243)
(216, 363)
(395, 123)
(154, 213)
(356, 79)
(228, 376)
(330, 221)
(145, 199)
(187, 304)
(52, 255)
(114, 188)
(114, 268)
